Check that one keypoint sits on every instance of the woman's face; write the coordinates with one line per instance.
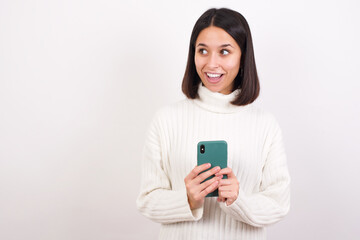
(217, 59)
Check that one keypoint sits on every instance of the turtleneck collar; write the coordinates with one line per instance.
(217, 102)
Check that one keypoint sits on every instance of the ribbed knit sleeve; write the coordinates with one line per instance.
(157, 200)
(272, 202)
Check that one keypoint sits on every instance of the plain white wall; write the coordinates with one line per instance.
(81, 80)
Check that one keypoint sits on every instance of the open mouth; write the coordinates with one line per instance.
(214, 77)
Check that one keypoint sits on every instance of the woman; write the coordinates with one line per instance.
(220, 83)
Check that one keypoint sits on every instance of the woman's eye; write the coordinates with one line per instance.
(224, 52)
(203, 51)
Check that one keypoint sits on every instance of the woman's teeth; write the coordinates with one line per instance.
(213, 75)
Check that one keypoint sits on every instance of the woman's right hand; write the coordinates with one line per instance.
(196, 190)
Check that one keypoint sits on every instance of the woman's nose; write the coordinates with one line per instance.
(213, 61)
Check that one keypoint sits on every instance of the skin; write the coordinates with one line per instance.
(216, 53)
(196, 191)
(228, 188)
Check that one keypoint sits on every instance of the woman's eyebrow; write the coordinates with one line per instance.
(201, 44)
(223, 45)
(226, 45)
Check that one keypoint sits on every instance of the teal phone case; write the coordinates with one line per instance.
(215, 153)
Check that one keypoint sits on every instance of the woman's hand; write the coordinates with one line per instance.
(228, 188)
(196, 191)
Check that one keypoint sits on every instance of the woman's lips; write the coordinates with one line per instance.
(214, 77)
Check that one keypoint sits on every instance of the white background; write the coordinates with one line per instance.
(81, 80)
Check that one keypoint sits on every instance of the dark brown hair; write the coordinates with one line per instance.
(237, 27)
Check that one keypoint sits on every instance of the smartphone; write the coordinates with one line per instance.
(215, 153)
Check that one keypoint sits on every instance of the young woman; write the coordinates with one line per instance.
(220, 83)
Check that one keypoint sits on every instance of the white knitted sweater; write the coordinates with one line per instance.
(255, 154)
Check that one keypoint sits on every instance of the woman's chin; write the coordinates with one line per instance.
(219, 88)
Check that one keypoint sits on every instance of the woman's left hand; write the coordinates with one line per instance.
(228, 188)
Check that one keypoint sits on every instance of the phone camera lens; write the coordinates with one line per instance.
(202, 148)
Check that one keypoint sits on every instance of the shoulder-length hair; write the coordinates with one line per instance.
(237, 27)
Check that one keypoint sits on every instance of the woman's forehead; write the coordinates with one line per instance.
(215, 37)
